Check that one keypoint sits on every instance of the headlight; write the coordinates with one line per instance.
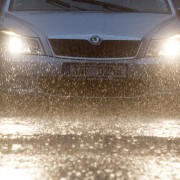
(167, 48)
(15, 44)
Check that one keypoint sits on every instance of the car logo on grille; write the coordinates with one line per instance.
(95, 40)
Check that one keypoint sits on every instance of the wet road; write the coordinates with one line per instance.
(90, 141)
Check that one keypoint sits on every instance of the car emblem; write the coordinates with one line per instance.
(95, 40)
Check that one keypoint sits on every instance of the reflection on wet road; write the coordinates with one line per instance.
(92, 141)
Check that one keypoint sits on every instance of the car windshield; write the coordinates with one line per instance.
(146, 6)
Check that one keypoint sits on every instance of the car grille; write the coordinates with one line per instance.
(84, 49)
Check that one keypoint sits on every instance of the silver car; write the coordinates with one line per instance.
(90, 48)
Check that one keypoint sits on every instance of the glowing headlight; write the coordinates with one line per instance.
(168, 48)
(16, 44)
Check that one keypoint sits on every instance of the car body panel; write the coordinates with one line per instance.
(117, 24)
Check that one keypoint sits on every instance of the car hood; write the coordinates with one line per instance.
(78, 24)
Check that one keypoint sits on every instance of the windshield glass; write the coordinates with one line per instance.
(147, 6)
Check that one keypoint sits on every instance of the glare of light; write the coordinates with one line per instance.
(9, 173)
(15, 45)
(171, 48)
(12, 127)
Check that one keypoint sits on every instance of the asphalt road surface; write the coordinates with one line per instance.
(94, 140)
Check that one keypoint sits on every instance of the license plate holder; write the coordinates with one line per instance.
(95, 70)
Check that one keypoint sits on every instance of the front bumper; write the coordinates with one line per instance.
(43, 75)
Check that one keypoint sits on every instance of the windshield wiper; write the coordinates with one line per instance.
(108, 6)
(64, 5)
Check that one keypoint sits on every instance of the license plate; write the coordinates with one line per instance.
(87, 70)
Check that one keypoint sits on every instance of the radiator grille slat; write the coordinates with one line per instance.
(84, 49)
